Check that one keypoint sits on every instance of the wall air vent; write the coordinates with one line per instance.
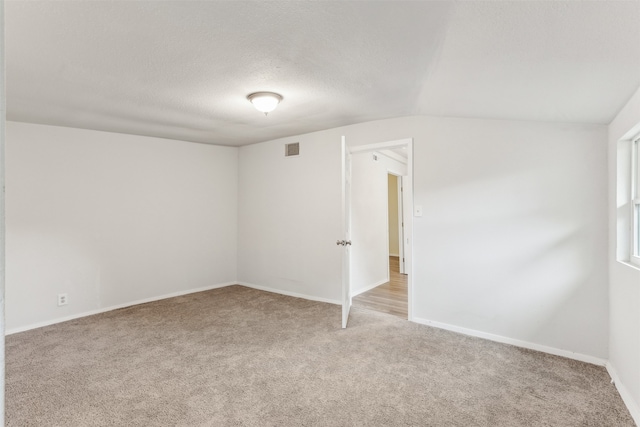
(292, 149)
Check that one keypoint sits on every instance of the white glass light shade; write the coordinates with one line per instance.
(265, 101)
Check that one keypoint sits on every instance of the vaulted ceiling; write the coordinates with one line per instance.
(182, 69)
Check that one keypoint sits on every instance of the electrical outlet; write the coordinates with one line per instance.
(62, 299)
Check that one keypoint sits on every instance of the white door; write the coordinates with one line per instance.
(345, 242)
(406, 217)
(407, 211)
(401, 239)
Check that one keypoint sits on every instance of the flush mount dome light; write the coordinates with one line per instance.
(265, 101)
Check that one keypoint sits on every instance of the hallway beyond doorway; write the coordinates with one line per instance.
(390, 297)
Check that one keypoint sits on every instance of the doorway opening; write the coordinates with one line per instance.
(390, 297)
(381, 203)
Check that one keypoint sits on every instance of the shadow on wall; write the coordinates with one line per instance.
(519, 256)
(536, 297)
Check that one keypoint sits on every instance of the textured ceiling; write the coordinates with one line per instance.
(182, 69)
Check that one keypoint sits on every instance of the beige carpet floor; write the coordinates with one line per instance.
(241, 357)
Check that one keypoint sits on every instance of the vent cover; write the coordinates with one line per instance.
(292, 149)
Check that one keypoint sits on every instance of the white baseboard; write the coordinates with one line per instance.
(518, 343)
(628, 400)
(368, 288)
(114, 307)
(289, 294)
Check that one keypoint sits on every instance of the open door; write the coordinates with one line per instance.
(346, 232)
(401, 238)
(405, 212)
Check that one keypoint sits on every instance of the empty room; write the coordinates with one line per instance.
(336, 213)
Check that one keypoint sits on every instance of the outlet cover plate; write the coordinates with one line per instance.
(62, 299)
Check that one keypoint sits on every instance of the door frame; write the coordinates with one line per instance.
(400, 212)
(408, 213)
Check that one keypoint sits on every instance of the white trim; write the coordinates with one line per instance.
(368, 288)
(393, 156)
(395, 173)
(408, 235)
(515, 342)
(626, 396)
(382, 146)
(628, 264)
(395, 255)
(115, 307)
(634, 255)
(290, 294)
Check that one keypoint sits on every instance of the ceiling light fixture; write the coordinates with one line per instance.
(265, 101)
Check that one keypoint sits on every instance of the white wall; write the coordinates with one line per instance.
(624, 292)
(512, 241)
(394, 239)
(369, 220)
(512, 244)
(112, 219)
(289, 217)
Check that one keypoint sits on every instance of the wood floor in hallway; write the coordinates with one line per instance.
(390, 297)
